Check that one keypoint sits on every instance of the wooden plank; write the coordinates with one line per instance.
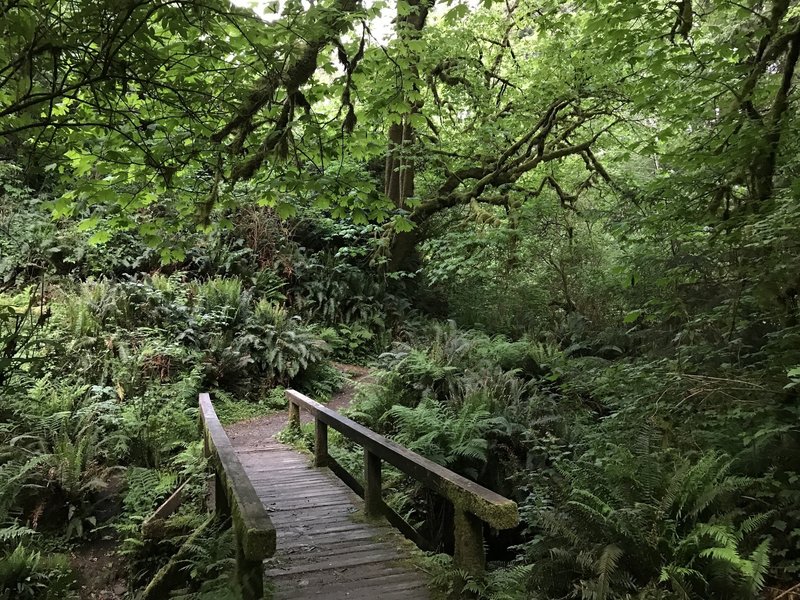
(288, 487)
(311, 553)
(368, 576)
(153, 526)
(332, 539)
(335, 562)
(295, 476)
(491, 507)
(377, 585)
(316, 522)
(415, 593)
(321, 498)
(298, 492)
(288, 471)
(318, 516)
(277, 465)
(309, 481)
(301, 530)
(350, 575)
(327, 554)
(311, 503)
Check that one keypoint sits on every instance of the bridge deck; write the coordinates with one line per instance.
(322, 551)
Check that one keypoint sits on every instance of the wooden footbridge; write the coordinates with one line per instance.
(294, 528)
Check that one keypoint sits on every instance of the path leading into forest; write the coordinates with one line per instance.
(324, 550)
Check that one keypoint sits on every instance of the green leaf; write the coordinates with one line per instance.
(632, 316)
(88, 224)
(99, 237)
(402, 224)
(268, 198)
(456, 13)
(286, 210)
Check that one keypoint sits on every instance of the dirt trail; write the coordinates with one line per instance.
(257, 433)
(99, 570)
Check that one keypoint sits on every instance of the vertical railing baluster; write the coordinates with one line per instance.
(372, 484)
(294, 414)
(221, 506)
(320, 444)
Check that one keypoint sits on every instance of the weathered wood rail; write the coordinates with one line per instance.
(153, 526)
(473, 504)
(236, 497)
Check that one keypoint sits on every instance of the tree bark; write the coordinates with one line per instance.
(763, 165)
(399, 174)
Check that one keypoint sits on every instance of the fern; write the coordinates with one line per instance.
(145, 487)
(27, 575)
(505, 583)
(611, 530)
(15, 533)
(756, 567)
(454, 440)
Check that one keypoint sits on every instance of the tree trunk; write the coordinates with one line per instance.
(400, 172)
(763, 166)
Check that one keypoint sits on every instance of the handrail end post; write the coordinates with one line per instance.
(469, 553)
(249, 575)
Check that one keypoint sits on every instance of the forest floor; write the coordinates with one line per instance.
(99, 570)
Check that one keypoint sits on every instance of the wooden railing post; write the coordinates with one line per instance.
(218, 499)
(372, 484)
(221, 504)
(320, 444)
(249, 574)
(469, 555)
(294, 415)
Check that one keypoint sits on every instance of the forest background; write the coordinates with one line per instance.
(564, 235)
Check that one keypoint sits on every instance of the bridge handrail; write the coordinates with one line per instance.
(472, 502)
(235, 495)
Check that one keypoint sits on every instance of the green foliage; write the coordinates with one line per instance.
(455, 440)
(63, 453)
(504, 583)
(144, 487)
(320, 381)
(229, 410)
(26, 575)
(568, 233)
(211, 565)
(637, 521)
